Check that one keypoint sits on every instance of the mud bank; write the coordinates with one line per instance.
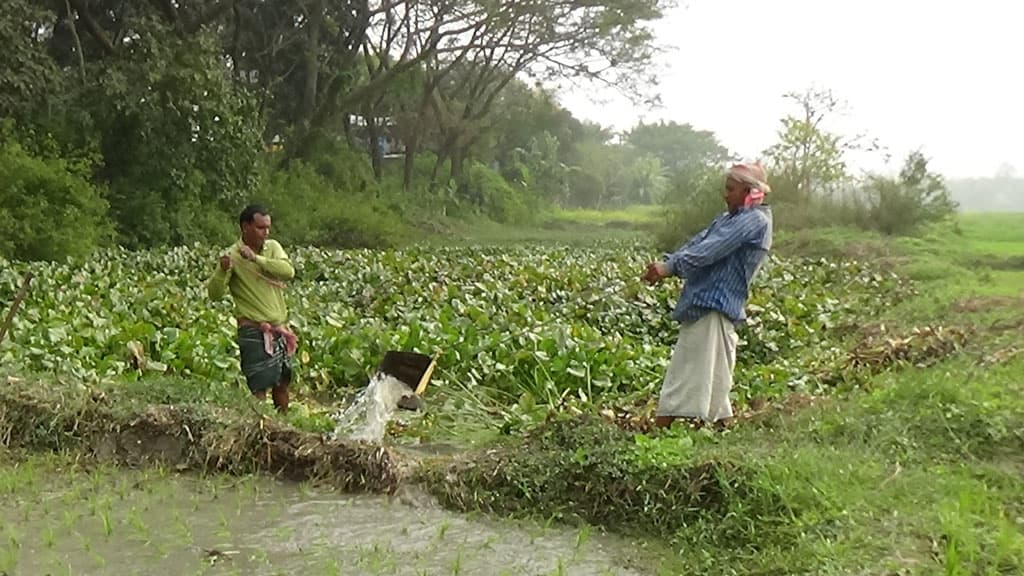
(39, 415)
(573, 469)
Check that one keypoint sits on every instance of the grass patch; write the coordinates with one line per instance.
(487, 233)
(968, 271)
(585, 470)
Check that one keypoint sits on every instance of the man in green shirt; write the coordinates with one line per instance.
(254, 270)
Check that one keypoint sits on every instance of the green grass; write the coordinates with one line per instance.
(552, 232)
(1005, 228)
(975, 272)
(971, 271)
(923, 476)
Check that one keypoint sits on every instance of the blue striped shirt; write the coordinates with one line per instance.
(719, 263)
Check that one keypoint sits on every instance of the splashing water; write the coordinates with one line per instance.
(368, 415)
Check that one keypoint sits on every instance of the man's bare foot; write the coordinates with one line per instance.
(667, 421)
(280, 395)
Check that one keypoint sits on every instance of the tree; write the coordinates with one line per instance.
(916, 197)
(523, 115)
(679, 147)
(605, 42)
(601, 178)
(808, 155)
(538, 167)
(29, 78)
(647, 180)
(179, 139)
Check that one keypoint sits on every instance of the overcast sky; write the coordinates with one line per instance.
(943, 76)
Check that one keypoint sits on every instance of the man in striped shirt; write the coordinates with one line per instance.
(717, 266)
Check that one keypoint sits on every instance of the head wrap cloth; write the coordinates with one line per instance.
(752, 175)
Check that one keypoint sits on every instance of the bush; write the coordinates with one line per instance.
(425, 202)
(498, 199)
(898, 205)
(817, 212)
(307, 210)
(585, 189)
(915, 198)
(345, 169)
(694, 201)
(50, 211)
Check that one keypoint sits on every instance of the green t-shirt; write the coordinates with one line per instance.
(257, 287)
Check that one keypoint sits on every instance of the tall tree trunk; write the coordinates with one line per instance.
(311, 62)
(442, 155)
(458, 173)
(93, 28)
(412, 138)
(346, 127)
(373, 142)
(409, 164)
(78, 41)
(236, 39)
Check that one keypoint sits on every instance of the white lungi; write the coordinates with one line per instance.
(699, 376)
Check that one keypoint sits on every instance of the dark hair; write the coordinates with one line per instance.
(249, 214)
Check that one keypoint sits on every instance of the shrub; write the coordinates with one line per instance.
(50, 212)
(307, 210)
(915, 198)
(898, 205)
(585, 189)
(425, 201)
(694, 201)
(345, 169)
(498, 199)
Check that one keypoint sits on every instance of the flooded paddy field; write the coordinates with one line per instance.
(59, 517)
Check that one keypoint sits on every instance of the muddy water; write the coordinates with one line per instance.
(59, 520)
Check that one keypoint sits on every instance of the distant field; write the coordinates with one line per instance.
(976, 264)
(631, 214)
(576, 227)
(994, 233)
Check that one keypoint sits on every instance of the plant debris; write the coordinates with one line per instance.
(921, 347)
(199, 437)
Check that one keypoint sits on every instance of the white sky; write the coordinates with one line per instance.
(943, 76)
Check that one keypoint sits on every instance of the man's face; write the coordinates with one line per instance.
(256, 232)
(735, 194)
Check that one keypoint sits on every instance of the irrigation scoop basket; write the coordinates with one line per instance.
(412, 369)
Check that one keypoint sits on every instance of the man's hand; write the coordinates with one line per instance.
(656, 271)
(247, 253)
(225, 262)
